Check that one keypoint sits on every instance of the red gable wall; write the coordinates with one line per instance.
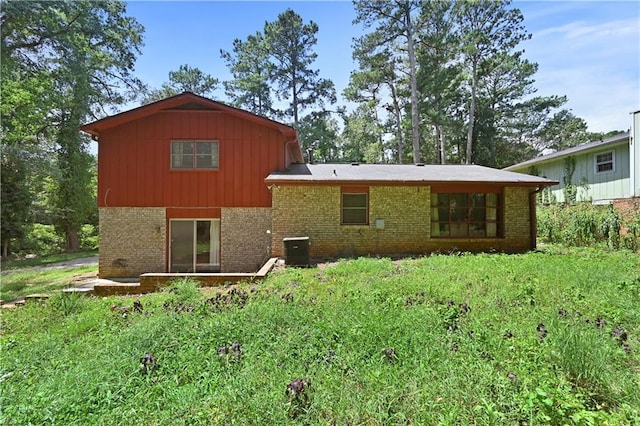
(134, 162)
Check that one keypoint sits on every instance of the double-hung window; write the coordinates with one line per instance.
(355, 207)
(465, 215)
(605, 162)
(194, 154)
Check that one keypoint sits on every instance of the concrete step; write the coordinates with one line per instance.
(79, 290)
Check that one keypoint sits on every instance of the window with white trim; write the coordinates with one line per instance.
(194, 155)
(605, 162)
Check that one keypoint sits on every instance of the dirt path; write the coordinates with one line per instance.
(67, 264)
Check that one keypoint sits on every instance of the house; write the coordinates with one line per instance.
(364, 209)
(181, 186)
(187, 184)
(605, 171)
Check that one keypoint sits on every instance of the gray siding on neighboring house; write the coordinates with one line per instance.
(591, 185)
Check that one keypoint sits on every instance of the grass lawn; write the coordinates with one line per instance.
(19, 283)
(46, 260)
(541, 338)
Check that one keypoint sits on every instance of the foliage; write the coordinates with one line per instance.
(397, 25)
(77, 58)
(318, 132)
(251, 69)
(584, 224)
(278, 62)
(290, 44)
(433, 340)
(185, 79)
(569, 190)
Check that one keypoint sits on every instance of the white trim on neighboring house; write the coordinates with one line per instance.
(634, 151)
(604, 161)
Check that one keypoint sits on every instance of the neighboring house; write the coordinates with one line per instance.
(603, 172)
(187, 184)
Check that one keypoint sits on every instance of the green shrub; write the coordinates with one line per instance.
(585, 225)
(41, 240)
(89, 237)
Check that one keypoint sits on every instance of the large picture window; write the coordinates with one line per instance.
(194, 155)
(465, 215)
(355, 209)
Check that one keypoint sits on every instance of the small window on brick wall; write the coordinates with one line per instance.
(355, 209)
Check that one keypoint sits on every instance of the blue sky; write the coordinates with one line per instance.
(588, 51)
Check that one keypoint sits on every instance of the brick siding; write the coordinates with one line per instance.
(132, 241)
(314, 212)
(246, 242)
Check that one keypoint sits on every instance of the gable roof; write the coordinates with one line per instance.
(402, 173)
(188, 100)
(590, 146)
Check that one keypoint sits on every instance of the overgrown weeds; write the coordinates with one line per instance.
(484, 339)
(585, 225)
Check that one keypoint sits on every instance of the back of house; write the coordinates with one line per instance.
(190, 185)
(181, 186)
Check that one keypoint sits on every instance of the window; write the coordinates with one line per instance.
(194, 154)
(354, 209)
(605, 162)
(462, 215)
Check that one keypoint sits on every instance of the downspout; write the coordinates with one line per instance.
(533, 225)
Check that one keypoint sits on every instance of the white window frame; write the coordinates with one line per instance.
(597, 163)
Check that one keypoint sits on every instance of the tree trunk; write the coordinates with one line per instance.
(5, 248)
(415, 121)
(73, 240)
(442, 149)
(472, 111)
(398, 114)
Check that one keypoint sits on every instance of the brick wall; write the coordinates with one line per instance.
(245, 242)
(629, 208)
(314, 212)
(132, 241)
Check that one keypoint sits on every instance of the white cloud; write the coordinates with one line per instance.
(591, 55)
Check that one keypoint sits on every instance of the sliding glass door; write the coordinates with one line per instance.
(194, 245)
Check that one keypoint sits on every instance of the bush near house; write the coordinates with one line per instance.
(549, 337)
(585, 224)
(42, 240)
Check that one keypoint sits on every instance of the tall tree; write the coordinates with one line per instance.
(290, 45)
(397, 26)
(319, 135)
(87, 49)
(486, 28)
(439, 73)
(250, 68)
(374, 83)
(185, 79)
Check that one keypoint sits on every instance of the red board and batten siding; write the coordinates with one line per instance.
(134, 162)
